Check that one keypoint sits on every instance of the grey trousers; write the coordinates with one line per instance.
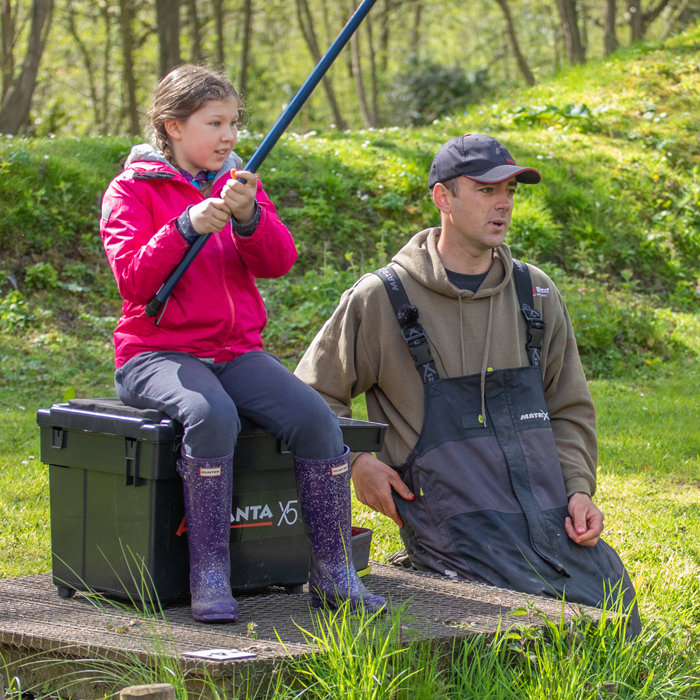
(207, 399)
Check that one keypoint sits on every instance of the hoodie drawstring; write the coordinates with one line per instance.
(461, 335)
(485, 363)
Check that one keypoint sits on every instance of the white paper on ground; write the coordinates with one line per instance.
(221, 654)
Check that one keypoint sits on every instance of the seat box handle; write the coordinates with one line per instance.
(131, 462)
(58, 438)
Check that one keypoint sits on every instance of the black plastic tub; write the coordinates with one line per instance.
(361, 543)
(117, 507)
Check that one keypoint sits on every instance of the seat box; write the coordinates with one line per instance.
(117, 508)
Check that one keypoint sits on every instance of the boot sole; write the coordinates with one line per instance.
(221, 618)
(333, 603)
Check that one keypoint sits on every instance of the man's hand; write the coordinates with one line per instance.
(240, 197)
(210, 216)
(373, 481)
(586, 521)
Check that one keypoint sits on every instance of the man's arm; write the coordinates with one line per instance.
(340, 366)
(572, 416)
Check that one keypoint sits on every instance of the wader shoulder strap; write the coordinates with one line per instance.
(412, 331)
(535, 322)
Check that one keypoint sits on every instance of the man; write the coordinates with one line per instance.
(471, 359)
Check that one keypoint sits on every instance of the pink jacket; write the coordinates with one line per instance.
(215, 310)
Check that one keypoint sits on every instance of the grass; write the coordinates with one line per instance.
(648, 488)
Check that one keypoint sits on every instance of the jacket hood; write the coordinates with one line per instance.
(420, 259)
(145, 153)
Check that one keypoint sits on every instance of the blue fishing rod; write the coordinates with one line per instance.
(154, 306)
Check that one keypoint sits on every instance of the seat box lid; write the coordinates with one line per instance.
(110, 416)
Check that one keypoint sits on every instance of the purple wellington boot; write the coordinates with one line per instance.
(324, 496)
(207, 485)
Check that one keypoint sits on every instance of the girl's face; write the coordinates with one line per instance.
(206, 138)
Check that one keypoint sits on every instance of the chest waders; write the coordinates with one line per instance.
(490, 497)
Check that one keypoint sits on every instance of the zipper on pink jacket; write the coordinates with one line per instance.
(222, 258)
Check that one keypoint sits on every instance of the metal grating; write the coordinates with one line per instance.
(34, 619)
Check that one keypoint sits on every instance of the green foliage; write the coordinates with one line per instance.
(297, 307)
(425, 90)
(50, 190)
(42, 275)
(617, 330)
(544, 115)
(619, 206)
(14, 312)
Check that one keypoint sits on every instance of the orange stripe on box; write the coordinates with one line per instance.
(233, 527)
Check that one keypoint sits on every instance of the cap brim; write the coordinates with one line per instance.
(501, 173)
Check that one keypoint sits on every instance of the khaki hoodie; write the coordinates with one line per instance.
(360, 350)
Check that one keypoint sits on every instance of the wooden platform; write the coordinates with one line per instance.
(75, 645)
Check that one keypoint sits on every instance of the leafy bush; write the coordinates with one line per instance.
(428, 90)
(616, 329)
(14, 312)
(533, 233)
(298, 307)
(41, 276)
(528, 115)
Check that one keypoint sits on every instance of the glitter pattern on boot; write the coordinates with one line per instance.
(324, 497)
(207, 486)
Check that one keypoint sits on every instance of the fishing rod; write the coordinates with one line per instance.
(154, 306)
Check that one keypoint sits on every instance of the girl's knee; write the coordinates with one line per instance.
(317, 432)
(211, 427)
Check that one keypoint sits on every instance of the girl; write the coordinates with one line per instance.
(201, 361)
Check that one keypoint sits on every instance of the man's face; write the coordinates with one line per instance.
(480, 214)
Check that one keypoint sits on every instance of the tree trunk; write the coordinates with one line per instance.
(307, 29)
(610, 43)
(245, 51)
(106, 67)
(17, 102)
(327, 33)
(168, 21)
(128, 79)
(569, 22)
(357, 74)
(384, 32)
(87, 62)
(636, 21)
(7, 42)
(652, 15)
(219, 21)
(195, 31)
(510, 28)
(373, 72)
(416, 26)
(680, 8)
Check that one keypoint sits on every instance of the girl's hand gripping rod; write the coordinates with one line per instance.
(154, 306)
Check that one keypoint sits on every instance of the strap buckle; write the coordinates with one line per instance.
(414, 335)
(535, 333)
(417, 344)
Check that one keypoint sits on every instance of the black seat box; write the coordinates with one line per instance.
(117, 508)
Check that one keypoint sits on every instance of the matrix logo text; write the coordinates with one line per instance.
(530, 416)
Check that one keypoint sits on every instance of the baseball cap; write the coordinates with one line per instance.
(480, 158)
